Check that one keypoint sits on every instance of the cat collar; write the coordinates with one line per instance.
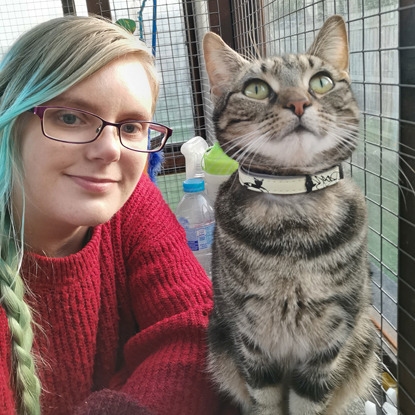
(289, 185)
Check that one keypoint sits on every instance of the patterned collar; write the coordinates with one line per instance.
(289, 185)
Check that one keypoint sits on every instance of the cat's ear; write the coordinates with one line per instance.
(222, 63)
(331, 44)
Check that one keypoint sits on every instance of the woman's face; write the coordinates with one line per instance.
(76, 185)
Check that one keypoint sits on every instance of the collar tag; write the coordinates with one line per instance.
(289, 185)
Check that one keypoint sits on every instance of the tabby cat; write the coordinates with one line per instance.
(290, 331)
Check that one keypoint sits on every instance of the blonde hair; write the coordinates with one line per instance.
(42, 64)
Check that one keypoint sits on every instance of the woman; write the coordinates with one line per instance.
(104, 308)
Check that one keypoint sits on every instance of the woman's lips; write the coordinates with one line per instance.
(93, 184)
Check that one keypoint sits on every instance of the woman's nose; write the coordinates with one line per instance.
(107, 146)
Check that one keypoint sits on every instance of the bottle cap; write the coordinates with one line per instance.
(193, 185)
(216, 162)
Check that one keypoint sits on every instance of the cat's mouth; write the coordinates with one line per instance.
(301, 131)
(300, 128)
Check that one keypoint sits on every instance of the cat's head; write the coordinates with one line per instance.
(287, 115)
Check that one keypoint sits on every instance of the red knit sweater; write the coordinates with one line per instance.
(127, 313)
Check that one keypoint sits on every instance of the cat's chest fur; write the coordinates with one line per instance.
(285, 262)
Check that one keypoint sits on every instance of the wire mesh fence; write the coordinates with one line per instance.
(382, 56)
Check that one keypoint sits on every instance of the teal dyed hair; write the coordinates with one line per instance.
(40, 65)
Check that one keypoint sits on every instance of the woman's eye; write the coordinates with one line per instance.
(69, 119)
(321, 84)
(131, 128)
(257, 90)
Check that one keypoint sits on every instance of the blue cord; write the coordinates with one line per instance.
(154, 27)
(140, 19)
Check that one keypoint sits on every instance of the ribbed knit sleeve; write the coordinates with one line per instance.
(171, 299)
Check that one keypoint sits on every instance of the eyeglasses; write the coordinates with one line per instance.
(70, 125)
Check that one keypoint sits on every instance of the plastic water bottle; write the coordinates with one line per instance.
(195, 213)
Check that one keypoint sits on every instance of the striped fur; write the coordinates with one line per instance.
(290, 331)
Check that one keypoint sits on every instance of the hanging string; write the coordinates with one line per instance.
(140, 20)
(153, 43)
(141, 25)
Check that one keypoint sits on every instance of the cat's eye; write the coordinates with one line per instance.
(257, 89)
(321, 83)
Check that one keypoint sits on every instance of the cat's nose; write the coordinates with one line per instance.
(298, 106)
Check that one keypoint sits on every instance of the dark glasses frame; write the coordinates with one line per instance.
(40, 110)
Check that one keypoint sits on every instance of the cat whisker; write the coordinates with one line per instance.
(401, 157)
(348, 141)
(387, 168)
(259, 141)
(344, 129)
(382, 155)
(238, 142)
(409, 148)
(241, 141)
(405, 177)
